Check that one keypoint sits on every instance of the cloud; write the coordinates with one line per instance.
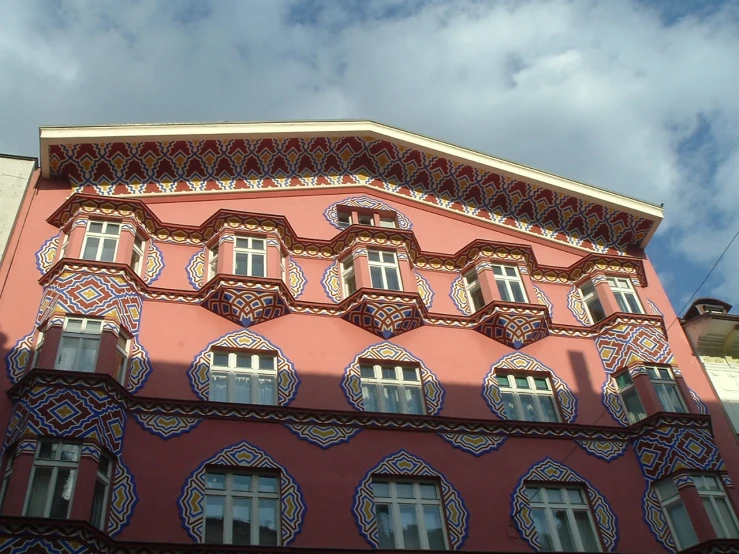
(636, 97)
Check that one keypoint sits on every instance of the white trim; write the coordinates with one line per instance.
(506, 280)
(250, 251)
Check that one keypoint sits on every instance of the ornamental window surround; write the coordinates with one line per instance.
(53, 479)
(527, 397)
(562, 518)
(409, 514)
(391, 388)
(241, 508)
(243, 377)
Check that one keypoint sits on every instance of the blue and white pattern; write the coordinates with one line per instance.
(477, 445)
(368, 203)
(324, 436)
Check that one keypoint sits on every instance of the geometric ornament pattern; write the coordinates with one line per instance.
(550, 471)
(139, 367)
(247, 456)
(624, 344)
(331, 282)
(385, 352)
(424, 290)
(702, 408)
(543, 299)
(195, 269)
(654, 308)
(612, 401)
(154, 263)
(246, 307)
(87, 294)
(287, 377)
(656, 519)
(665, 450)
(385, 316)
(576, 305)
(458, 294)
(324, 436)
(477, 445)
(45, 255)
(605, 450)
(123, 498)
(514, 326)
(405, 464)
(519, 362)
(18, 357)
(367, 203)
(297, 278)
(167, 426)
(231, 164)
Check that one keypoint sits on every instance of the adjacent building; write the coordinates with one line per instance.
(340, 335)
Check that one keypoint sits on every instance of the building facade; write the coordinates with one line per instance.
(288, 337)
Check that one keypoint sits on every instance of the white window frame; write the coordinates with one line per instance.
(83, 334)
(384, 267)
(348, 276)
(55, 464)
(626, 389)
(369, 219)
(101, 236)
(138, 249)
(253, 373)
(623, 289)
(380, 382)
(591, 296)
(212, 261)
(38, 347)
(228, 493)
(713, 496)
(505, 378)
(63, 248)
(250, 251)
(10, 453)
(472, 285)
(660, 382)
(103, 477)
(569, 507)
(341, 216)
(283, 268)
(124, 350)
(504, 280)
(394, 502)
(389, 222)
(667, 501)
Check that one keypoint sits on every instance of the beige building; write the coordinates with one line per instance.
(714, 335)
(15, 176)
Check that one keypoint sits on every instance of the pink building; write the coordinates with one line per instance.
(311, 336)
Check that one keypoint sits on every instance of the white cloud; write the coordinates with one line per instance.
(604, 92)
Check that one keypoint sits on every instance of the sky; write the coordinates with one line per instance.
(635, 96)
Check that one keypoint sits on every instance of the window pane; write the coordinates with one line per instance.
(502, 381)
(666, 489)
(242, 243)
(257, 244)
(369, 393)
(93, 326)
(351, 284)
(503, 291)
(393, 281)
(91, 248)
(373, 255)
(242, 389)
(39, 492)
(681, 526)
(713, 516)
(214, 519)
(510, 406)
(548, 411)
(266, 362)
(622, 305)
(428, 491)
(541, 383)
(392, 398)
(219, 387)
(215, 481)
(380, 489)
(623, 380)
(241, 533)
(675, 399)
(267, 522)
(220, 359)
(413, 400)
(575, 496)
(68, 353)
(367, 371)
(521, 382)
(242, 482)
(634, 408)
(585, 530)
(534, 494)
(257, 265)
(47, 450)
(478, 301)
(497, 270)
(564, 532)
(405, 490)
(388, 372)
(409, 526)
(388, 257)
(385, 530)
(63, 490)
(434, 530)
(376, 275)
(555, 496)
(112, 229)
(241, 263)
(69, 452)
(410, 374)
(510, 271)
(98, 504)
(727, 516)
(267, 483)
(518, 295)
(596, 309)
(267, 390)
(527, 405)
(88, 355)
(387, 222)
(542, 529)
(108, 254)
(95, 227)
(242, 360)
(634, 307)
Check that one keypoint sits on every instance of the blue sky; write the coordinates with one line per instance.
(636, 96)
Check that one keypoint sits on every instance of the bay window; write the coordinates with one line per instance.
(79, 344)
(667, 389)
(384, 270)
(625, 295)
(722, 516)
(592, 302)
(474, 291)
(53, 480)
(676, 514)
(348, 280)
(630, 397)
(250, 256)
(509, 283)
(101, 241)
(100, 499)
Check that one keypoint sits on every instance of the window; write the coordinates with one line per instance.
(509, 283)
(717, 505)
(527, 398)
(562, 519)
(100, 496)
(667, 391)
(250, 256)
(121, 356)
(137, 254)
(283, 269)
(241, 508)
(474, 291)
(409, 515)
(365, 219)
(348, 281)
(625, 295)
(677, 515)
(38, 349)
(78, 348)
(243, 378)
(101, 241)
(384, 271)
(212, 261)
(344, 219)
(393, 389)
(592, 302)
(6, 477)
(388, 222)
(52, 480)
(63, 249)
(630, 398)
